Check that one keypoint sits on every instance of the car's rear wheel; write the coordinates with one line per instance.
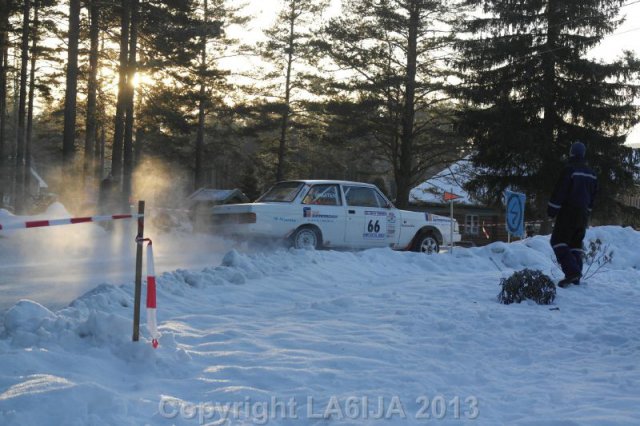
(306, 238)
(426, 243)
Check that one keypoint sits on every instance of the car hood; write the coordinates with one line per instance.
(438, 218)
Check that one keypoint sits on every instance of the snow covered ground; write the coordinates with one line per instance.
(302, 337)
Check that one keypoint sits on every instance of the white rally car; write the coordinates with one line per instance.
(333, 214)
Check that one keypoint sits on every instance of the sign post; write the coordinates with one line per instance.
(515, 213)
(450, 196)
(138, 287)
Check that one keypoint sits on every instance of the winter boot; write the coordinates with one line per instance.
(571, 279)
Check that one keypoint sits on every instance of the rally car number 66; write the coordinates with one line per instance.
(333, 214)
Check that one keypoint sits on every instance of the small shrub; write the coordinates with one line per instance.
(596, 256)
(527, 284)
(594, 260)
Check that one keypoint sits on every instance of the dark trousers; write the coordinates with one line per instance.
(566, 239)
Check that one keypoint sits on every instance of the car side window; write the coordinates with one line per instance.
(382, 201)
(282, 192)
(360, 196)
(323, 195)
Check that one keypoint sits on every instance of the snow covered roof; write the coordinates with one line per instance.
(451, 179)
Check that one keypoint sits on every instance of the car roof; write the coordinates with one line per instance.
(328, 181)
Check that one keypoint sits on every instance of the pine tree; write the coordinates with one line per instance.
(209, 88)
(71, 90)
(287, 51)
(4, 45)
(5, 11)
(532, 91)
(199, 179)
(132, 66)
(35, 28)
(121, 103)
(90, 142)
(209, 78)
(394, 49)
(22, 100)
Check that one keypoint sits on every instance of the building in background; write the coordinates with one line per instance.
(479, 223)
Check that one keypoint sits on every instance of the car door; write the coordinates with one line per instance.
(367, 218)
(322, 206)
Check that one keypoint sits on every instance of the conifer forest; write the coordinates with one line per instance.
(167, 96)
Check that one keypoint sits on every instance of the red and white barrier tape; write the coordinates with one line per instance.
(152, 321)
(67, 221)
(490, 225)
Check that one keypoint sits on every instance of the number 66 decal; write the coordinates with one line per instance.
(375, 225)
(371, 227)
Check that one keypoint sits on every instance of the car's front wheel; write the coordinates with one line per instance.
(306, 238)
(426, 243)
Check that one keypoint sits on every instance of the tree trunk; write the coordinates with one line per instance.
(137, 149)
(549, 73)
(68, 136)
(4, 45)
(550, 118)
(100, 122)
(92, 87)
(118, 129)
(199, 172)
(24, 61)
(32, 85)
(100, 151)
(129, 110)
(404, 179)
(284, 125)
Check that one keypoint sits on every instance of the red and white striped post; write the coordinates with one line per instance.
(152, 321)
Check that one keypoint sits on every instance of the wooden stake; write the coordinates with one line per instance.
(138, 289)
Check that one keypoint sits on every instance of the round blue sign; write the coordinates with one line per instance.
(515, 213)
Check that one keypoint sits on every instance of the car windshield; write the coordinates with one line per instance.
(283, 192)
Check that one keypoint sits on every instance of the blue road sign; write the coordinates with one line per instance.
(515, 212)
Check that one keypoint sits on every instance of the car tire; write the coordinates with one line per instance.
(426, 243)
(307, 238)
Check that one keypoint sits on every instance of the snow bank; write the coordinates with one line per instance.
(308, 337)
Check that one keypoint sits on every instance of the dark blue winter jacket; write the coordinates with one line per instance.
(576, 189)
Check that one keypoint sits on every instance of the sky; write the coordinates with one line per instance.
(624, 38)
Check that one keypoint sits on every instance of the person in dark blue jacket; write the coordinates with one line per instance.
(571, 204)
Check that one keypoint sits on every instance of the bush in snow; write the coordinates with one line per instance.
(527, 284)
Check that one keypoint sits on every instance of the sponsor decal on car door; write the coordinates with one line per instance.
(367, 220)
(322, 206)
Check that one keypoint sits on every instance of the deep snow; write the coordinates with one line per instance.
(289, 336)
